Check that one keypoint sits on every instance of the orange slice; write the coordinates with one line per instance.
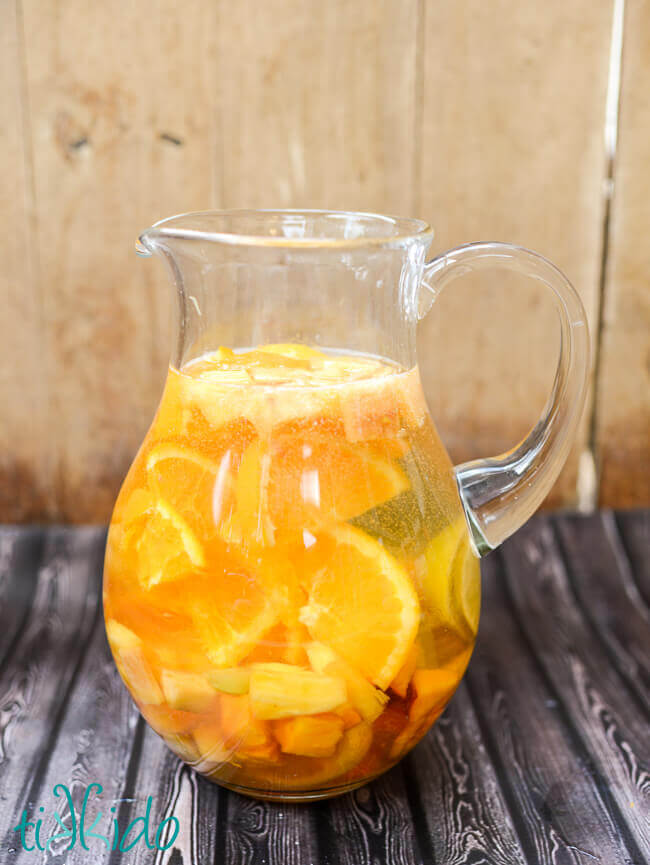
(298, 480)
(361, 603)
(196, 487)
(167, 547)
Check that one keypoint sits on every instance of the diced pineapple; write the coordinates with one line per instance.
(268, 753)
(349, 716)
(165, 720)
(367, 699)
(233, 680)
(139, 676)
(310, 736)
(121, 637)
(209, 739)
(238, 726)
(320, 656)
(183, 746)
(132, 663)
(401, 681)
(187, 691)
(282, 690)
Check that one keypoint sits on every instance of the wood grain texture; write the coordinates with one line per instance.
(623, 408)
(20, 555)
(540, 758)
(455, 792)
(599, 711)
(45, 663)
(559, 808)
(318, 104)
(121, 108)
(607, 593)
(372, 825)
(511, 147)
(259, 832)
(485, 119)
(635, 537)
(25, 481)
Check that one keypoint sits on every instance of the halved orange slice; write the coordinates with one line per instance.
(199, 489)
(361, 602)
(166, 547)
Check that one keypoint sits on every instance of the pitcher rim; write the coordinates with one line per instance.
(409, 229)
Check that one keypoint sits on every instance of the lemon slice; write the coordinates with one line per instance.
(449, 579)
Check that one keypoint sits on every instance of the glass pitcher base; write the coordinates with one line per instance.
(291, 796)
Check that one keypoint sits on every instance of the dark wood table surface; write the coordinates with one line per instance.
(542, 756)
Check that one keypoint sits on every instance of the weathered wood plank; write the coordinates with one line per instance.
(44, 664)
(176, 791)
(634, 529)
(21, 550)
(511, 148)
(121, 107)
(608, 725)
(93, 746)
(560, 808)
(535, 761)
(266, 832)
(623, 406)
(372, 824)
(608, 597)
(330, 90)
(25, 479)
(454, 788)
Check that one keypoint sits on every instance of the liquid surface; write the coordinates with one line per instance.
(290, 593)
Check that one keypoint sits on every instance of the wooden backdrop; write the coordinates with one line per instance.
(486, 119)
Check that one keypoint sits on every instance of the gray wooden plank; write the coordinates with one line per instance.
(634, 530)
(93, 746)
(608, 597)
(454, 787)
(371, 825)
(37, 678)
(560, 811)
(604, 721)
(176, 792)
(21, 549)
(268, 832)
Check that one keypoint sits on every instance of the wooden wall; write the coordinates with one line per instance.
(485, 119)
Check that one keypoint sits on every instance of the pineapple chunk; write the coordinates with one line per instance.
(132, 663)
(189, 692)
(310, 736)
(238, 726)
(165, 720)
(349, 716)
(139, 676)
(211, 747)
(121, 637)
(183, 746)
(269, 753)
(432, 689)
(282, 690)
(233, 680)
(401, 681)
(363, 695)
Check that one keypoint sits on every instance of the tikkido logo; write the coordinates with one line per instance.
(82, 829)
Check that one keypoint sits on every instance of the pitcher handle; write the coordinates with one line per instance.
(500, 493)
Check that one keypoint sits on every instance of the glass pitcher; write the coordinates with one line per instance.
(292, 584)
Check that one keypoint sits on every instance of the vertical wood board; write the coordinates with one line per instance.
(623, 408)
(512, 148)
